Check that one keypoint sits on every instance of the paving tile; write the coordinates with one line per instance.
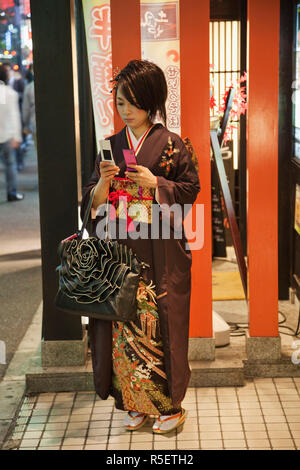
(101, 416)
(230, 419)
(230, 412)
(78, 418)
(293, 419)
(272, 412)
(49, 448)
(210, 435)
(78, 425)
(95, 447)
(188, 445)
(119, 439)
(95, 440)
(38, 419)
(163, 437)
(277, 426)
(187, 436)
(232, 435)
(189, 428)
(208, 406)
(292, 411)
(34, 427)
(211, 444)
(258, 444)
(277, 443)
(294, 426)
(202, 413)
(280, 434)
(234, 444)
(57, 418)
(25, 445)
(46, 397)
(253, 419)
(73, 441)
(32, 434)
(251, 412)
(118, 446)
(249, 405)
(256, 435)
(76, 433)
(72, 447)
(164, 445)
(228, 406)
(208, 420)
(54, 433)
(100, 424)
(98, 432)
(254, 426)
(232, 427)
(60, 411)
(29, 442)
(54, 441)
(275, 419)
(141, 437)
(291, 404)
(209, 427)
(265, 405)
(141, 446)
(227, 399)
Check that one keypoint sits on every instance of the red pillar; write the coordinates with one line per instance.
(194, 58)
(262, 161)
(126, 38)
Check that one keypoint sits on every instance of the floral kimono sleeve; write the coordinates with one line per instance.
(181, 183)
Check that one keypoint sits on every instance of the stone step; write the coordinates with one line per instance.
(231, 368)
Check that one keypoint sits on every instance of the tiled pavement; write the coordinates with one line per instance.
(263, 414)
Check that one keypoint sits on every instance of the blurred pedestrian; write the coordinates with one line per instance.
(10, 133)
(28, 111)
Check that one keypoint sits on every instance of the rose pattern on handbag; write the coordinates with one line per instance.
(93, 269)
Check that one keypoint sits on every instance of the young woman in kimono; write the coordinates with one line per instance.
(144, 364)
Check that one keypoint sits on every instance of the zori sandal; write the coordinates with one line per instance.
(134, 420)
(165, 424)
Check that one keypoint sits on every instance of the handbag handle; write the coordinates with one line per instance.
(87, 213)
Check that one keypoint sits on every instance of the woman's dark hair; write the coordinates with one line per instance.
(3, 74)
(144, 85)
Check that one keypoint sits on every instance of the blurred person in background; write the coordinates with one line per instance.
(10, 133)
(28, 110)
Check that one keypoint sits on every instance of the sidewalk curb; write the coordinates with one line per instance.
(13, 384)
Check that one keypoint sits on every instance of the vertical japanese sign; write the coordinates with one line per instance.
(98, 35)
(160, 44)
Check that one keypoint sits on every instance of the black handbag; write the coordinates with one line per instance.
(98, 278)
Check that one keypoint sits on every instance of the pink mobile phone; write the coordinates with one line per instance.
(129, 158)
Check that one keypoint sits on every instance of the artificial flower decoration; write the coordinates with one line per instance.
(239, 105)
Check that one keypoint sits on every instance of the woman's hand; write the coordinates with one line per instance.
(143, 176)
(108, 172)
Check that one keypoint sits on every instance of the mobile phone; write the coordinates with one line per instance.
(106, 151)
(130, 159)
